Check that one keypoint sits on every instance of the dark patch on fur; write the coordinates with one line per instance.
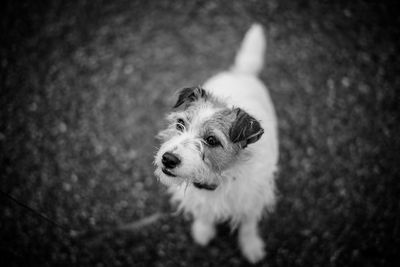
(190, 95)
(221, 157)
(245, 129)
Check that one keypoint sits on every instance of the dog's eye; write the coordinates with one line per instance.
(212, 141)
(180, 125)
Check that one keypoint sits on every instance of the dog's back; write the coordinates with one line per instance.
(241, 87)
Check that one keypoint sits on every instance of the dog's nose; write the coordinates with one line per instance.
(170, 160)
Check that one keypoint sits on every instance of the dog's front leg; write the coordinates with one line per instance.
(250, 242)
(203, 230)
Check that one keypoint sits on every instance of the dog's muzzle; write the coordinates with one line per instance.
(170, 161)
(167, 172)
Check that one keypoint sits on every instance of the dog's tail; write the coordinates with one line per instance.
(250, 57)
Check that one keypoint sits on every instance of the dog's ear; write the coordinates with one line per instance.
(190, 94)
(245, 129)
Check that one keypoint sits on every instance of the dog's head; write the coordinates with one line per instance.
(204, 138)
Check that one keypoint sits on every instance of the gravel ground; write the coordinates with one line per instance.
(84, 86)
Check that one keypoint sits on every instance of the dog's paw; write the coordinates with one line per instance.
(253, 249)
(202, 232)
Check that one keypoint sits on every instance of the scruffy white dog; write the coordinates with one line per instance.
(220, 151)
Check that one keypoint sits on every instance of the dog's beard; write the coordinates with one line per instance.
(202, 176)
(170, 181)
(166, 180)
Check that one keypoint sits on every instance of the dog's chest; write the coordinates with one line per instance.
(222, 204)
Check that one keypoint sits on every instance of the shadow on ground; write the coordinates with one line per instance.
(84, 87)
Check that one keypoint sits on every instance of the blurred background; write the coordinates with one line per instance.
(84, 89)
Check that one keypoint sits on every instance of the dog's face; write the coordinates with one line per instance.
(204, 138)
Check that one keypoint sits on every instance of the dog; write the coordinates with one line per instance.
(219, 154)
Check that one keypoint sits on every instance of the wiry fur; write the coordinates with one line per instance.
(235, 108)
